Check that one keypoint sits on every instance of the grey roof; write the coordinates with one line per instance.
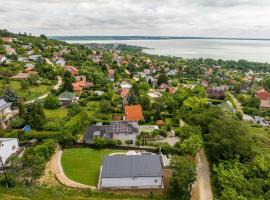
(146, 165)
(4, 104)
(107, 131)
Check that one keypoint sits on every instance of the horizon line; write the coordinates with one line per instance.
(134, 37)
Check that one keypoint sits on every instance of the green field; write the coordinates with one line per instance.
(83, 165)
(56, 114)
(29, 94)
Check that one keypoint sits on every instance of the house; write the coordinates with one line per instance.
(6, 114)
(131, 171)
(148, 128)
(171, 90)
(67, 98)
(133, 113)
(163, 87)
(204, 83)
(111, 74)
(27, 46)
(6, 39)
(265, 104)
(8, 147)
(98, 92)
(125, 85)
(10, 50)
(2, 59)
(264, 97)
(79, 85)
(124, 95)
(117, 130)
(71, 69)
(34, 57)
(154, 94)
(61, 62)
(216, 92)
(23, 59)
(172, 72)
(20, 76)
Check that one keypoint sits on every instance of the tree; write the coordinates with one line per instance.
(74, 109)
(105, 106)
(227, 139)
(12, 97)
(266, 83)
(195, 104)
(24, 85)
(193, 144)
(67, 82)
(145, 102)
(35, 116)
(163, 78)
(184, 174)
(51, 102)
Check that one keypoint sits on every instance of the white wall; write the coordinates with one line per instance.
(7, 148)
(124, 137)
(140, 182)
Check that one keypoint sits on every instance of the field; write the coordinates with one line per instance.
(31, 93)
(82, 165)
(56, 114)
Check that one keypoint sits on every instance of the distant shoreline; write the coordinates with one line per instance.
(107, 38)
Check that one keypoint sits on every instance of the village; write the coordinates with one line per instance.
(114, 119)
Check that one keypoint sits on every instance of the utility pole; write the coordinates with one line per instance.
(4, 171)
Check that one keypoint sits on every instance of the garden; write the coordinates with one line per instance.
(83, 165)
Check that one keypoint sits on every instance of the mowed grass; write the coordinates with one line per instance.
(59, 113)
(83, 165)
(31, 93)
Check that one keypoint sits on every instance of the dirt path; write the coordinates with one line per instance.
(202, 189)
(54, 167)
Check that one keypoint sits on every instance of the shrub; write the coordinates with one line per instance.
(51, 102)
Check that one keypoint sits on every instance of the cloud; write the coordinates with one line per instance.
(226, 18)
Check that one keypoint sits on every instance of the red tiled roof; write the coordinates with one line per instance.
(160, 122)
(133, 113)
(111, 71)
(263, 94)
(73, 70)
(171, 90)
(77, 86)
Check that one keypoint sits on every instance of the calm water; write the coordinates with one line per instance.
(251, 50)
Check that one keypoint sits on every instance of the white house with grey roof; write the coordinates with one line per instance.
(6, 114)
(8, 147)
(117, 130)
(131, 171)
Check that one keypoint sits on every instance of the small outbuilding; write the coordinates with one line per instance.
(131, 171)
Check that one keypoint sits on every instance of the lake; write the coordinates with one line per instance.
(252, 50)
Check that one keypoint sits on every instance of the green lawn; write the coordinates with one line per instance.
(29, 94)
(83, 165)
(56, 114)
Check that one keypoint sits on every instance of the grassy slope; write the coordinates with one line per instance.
(29, 94)
(83, 165)
(56, 114)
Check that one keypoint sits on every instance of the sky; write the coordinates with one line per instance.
(209, 18)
